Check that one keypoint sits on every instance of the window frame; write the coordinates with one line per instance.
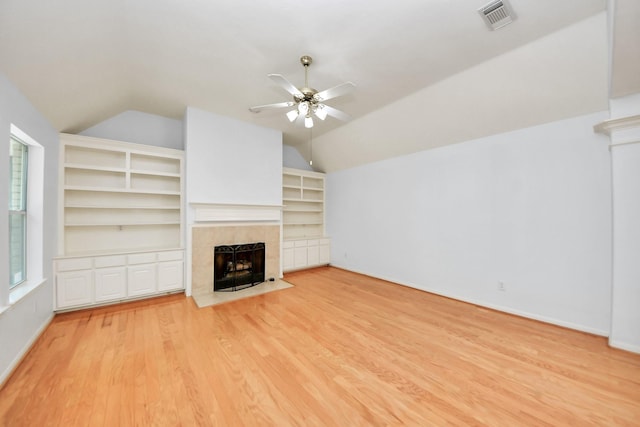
(37, 235)
(18, 209)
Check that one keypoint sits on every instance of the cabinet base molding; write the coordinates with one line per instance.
(309, 267)
(116, 302)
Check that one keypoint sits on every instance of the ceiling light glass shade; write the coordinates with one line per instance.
(320, 112)
(308, 122)
(303, 108)
(292, 115)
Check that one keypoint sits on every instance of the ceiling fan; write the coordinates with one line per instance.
(307, 102)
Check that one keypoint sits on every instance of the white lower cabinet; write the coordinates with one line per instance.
(86, 281)
(141, 280)
(313, 252)
(287, 255)
(325, 251)
(299, 254)
(170, 275)
(110, 284)
(74, 288)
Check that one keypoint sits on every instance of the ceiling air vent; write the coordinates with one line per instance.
(497, 14)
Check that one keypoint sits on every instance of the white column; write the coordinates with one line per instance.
(624, 130)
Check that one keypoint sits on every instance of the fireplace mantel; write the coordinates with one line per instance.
(220, 212)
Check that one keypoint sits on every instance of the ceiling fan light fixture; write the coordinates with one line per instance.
(303, 108)
(292, 115)
(320, 112)
(308, 122)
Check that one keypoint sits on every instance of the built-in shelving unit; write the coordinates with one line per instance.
(303, 219)
(303, 200)
(118, 198)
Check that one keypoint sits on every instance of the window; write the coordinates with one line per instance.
(18, 166)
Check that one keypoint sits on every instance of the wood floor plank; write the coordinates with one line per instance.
(337, 349)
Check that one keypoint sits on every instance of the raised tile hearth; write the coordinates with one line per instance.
(216, 298)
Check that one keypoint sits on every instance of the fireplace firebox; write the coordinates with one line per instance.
(237, 267)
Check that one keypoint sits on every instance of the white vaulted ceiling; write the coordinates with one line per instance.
(83, 61)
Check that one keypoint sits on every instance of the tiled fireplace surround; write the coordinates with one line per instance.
(217, 225)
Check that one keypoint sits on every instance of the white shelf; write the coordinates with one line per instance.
(120, 200)
(120, 224)
(303, 200)
(140, 250)
(121, 190)
(93, 168)
(302, 209)
(154, 173)
(302, 222)
(122, 207)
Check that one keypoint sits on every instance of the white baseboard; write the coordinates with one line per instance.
(528, 315)
(21, 355)
(624, 346)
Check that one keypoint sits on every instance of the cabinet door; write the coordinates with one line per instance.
(110, 283)
(74, 288)
(287, 259)
(300, 257)
(141, 279)
(313, 255)
(170, 276)
(325, 254)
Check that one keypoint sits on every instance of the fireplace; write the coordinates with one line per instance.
(225, 224)
(237, 267)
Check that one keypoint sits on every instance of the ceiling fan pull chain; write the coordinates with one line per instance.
(310, 146)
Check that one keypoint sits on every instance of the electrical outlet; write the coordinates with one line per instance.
(502, 287)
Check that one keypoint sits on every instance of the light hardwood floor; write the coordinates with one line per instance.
(338, 349)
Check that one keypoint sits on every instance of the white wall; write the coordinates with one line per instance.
(229, 162)
(625, 156)
(151, 129)
(529, 208)
(291, 158)
(22, 322)
(140, 128)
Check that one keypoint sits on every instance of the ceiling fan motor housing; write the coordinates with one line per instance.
(309, 95)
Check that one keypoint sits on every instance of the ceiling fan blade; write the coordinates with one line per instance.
(286, 85)
(259, 108)
(334, 92)
(340, 115)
